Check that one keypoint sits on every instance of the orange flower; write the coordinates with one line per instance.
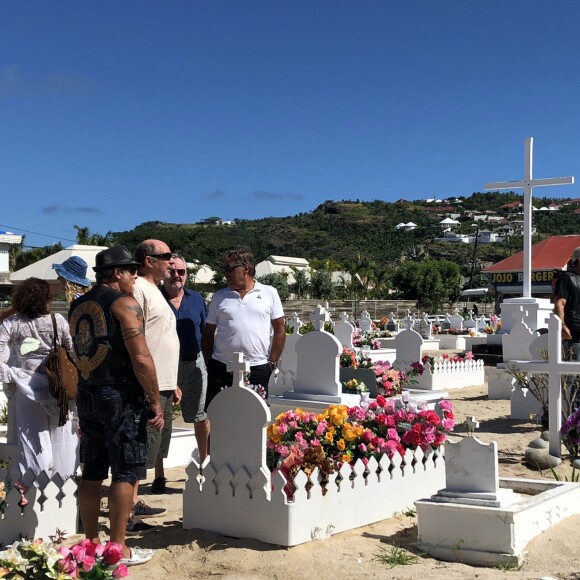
(340, 444)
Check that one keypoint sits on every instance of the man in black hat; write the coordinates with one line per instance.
(118, 394)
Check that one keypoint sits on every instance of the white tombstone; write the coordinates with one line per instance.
(408, 345)
(456, 320)
(365, 323)
(408, 321)
(287, 364)
(317, 362)
(516, 344)
(472, 474)
(425, 327)
(343, 330)
(538, 309)
(392, 324)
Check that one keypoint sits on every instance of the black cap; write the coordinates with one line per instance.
(118, 256)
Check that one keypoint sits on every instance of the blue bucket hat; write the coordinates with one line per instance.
(73, 269)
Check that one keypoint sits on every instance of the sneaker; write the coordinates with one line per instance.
(142, 510)
(138, 556)
(135, 527)
(158, 485)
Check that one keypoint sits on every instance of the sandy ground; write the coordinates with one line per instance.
(199, 554)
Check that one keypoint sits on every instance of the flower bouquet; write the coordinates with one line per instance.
(40, 559)
(355, 386)
(301, 440)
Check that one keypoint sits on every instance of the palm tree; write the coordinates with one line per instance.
(83, 235)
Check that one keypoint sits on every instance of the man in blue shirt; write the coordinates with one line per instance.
(190, 310)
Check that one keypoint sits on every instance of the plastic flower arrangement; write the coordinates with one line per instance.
(455, 331)
(40, 559)
(359, 340)
(300, 440)
(494, 325)
(391, 382)
(348, 358)
(355, 386)
(571, 432)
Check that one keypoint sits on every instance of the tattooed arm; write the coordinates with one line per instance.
(130, 317)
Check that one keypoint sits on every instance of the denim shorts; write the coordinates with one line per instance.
(113, 422)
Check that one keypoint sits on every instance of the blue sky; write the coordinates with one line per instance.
(115, 113)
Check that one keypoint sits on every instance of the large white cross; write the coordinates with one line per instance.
(553, 367)
(528, 183)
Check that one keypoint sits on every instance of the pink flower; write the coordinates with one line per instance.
(362, 448)
(393, 435)
(112, 553)
(121, 571)
(88, 563)
(315, 443)
(445, 405)
(381, 401)
(68, 566)
(292, 424)
(448, 424)
(320, 429)
(79, 552)
(282, 450)
(282, 428)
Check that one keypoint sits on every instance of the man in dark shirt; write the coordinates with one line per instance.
(118, 395)
(567, 305)
(190, 310)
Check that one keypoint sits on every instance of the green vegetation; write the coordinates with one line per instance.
(395, 556)
(357, 238)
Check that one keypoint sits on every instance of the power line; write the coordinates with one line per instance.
(36, 233)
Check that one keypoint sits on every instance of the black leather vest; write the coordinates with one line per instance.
(102, 358)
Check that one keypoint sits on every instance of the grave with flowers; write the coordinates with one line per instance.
(309, 475)
(322, 367)
(439, 372)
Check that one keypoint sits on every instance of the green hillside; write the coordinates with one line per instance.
(355, 231)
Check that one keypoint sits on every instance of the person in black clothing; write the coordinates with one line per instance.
(567, 305)
(118, 395)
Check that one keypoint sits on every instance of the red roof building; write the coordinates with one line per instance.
(550, 254)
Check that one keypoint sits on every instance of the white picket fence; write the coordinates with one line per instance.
(52, 503)
(451, 375)
(237, 495)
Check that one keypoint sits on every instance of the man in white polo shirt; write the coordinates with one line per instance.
(248, 318)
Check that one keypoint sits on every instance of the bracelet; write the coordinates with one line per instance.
(273, 363)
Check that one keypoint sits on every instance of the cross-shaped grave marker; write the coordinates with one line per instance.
(319, 317)
(344, 316)
(295, 324)
(554, 368)
(528, 183)
(472, 425)
(238, 367)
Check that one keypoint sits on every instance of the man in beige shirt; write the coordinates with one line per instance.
(163, 342)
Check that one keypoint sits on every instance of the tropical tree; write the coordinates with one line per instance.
(431, 282)
(321, 285)
(83, 235)
(279, 281)
(301, 282)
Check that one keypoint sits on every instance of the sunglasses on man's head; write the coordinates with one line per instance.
(178, 272)
(231, 267)
(165, 256)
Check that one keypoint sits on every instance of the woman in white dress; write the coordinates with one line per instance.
(26, 339)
